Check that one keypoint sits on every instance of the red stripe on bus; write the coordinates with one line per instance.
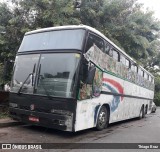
(115, 84)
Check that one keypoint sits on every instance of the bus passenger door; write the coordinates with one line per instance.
(89, 92)
(86, 81)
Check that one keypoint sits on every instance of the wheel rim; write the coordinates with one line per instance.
(102, 118)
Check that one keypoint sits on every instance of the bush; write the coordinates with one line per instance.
(1, 73)
(4, 112)
(157, 98)
(157, 90)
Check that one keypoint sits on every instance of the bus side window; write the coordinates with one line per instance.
(94, 40)
(140, 72)
(90, 43)
(133, 68)
(136, 69)
(127, 63)
(115, 55)
(145, 75)
(111, 53)
(149, 78)
(122, 59)
(107, 48)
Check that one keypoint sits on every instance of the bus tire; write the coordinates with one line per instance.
(102, 119)
(142, 113)
(146, 109)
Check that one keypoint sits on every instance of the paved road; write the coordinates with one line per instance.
(146, 130)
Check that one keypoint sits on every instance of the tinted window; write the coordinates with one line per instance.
(134, 68)
(63, 39)
(57, 78)
(107, 48)
(123, 60)
(140, 72)
(145, 75)
(93, 39)
(111, 53)
(127, 63)
(152, 80)
(24, 66)
(115, 55)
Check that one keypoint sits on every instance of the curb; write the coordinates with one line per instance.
(10, 123)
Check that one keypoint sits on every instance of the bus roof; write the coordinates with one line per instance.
(81, 26)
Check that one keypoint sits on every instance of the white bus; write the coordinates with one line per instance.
(74, 78)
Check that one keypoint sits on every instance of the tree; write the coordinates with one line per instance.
(157, 90)
(126, 24)
(47, 13)
(5, 16)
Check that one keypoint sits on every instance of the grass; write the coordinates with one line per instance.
(4, 113)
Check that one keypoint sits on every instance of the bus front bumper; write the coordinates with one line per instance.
(49, 120)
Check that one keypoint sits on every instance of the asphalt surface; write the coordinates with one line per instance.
(146, 130)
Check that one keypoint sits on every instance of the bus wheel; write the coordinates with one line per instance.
(102, 120)
(146, 109)
(142, 113)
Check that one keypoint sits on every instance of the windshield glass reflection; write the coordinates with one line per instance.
(25, 66)
(57, 73)
(55, 76)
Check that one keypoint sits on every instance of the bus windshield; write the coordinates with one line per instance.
(62, 39)
(24, 65)
(55, 75)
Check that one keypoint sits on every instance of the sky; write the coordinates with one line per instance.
(153, 5)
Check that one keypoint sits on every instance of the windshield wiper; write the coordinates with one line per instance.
(19, 91)
(41, 77)
(34, 69)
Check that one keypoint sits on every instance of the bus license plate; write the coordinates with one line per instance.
(34, 119)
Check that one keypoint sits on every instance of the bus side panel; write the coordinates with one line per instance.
(114, 86)
(137, 96)
(129, 105)
(123, 97)
(87, 111)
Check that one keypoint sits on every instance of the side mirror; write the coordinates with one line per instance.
(91, 74)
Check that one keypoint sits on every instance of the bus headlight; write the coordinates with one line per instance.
(13, 105)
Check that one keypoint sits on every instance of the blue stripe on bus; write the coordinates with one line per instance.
(116, 100)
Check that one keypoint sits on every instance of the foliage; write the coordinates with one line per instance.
(5, 15)
(157, 98)
(157, 90)
(1, 74)
(4, 112)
